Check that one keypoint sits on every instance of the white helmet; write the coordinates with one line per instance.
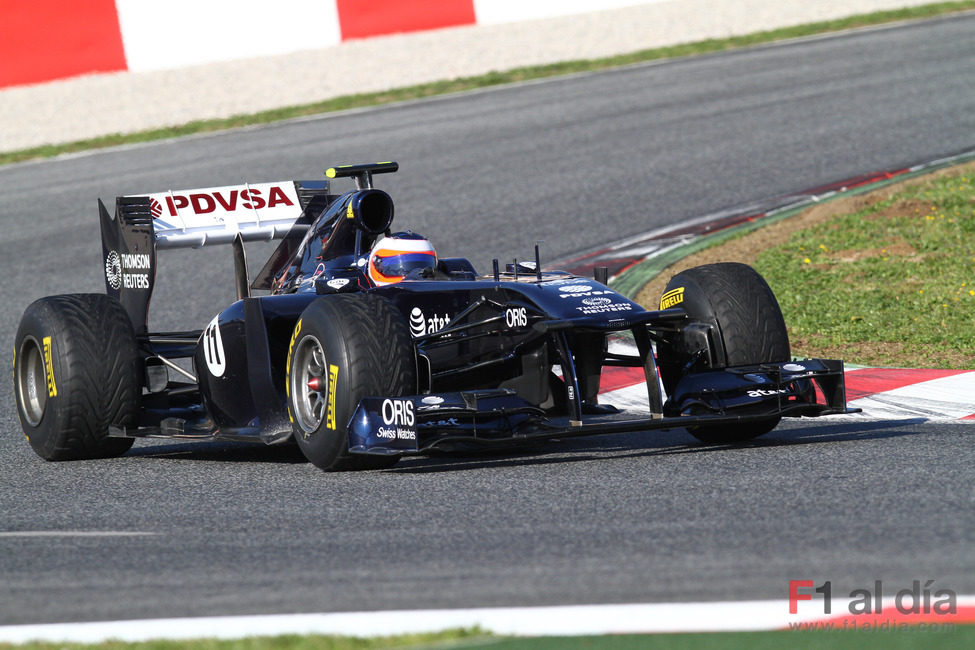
(393, 258)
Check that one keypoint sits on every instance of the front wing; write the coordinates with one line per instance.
(726, 397)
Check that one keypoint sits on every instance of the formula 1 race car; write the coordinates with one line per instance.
(364, 346)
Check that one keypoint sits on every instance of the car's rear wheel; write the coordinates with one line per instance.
(343, 348)
(77, 370)
(744, 315)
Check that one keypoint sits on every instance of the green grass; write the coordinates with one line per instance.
(941, 637)
(446, 639)
(893, 284)
(490, 79)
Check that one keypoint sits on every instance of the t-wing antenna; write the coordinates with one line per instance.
(362, 174)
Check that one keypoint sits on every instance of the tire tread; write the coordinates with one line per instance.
(375, 336)
(98, 384)
(750, 325)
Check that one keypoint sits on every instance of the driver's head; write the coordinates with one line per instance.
(393, 258)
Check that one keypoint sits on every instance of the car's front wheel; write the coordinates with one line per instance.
(747, 322)
(343, 348)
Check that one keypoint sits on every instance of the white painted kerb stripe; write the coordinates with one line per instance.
(180, 33)
(525, 621)
(943, 398)
(517, 621)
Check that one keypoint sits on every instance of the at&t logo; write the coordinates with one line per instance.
(421, 325)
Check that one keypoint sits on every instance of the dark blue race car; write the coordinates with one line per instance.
(363, 345)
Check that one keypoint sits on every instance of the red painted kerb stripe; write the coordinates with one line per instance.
(870, 381)
(43, 40)
(358, 19)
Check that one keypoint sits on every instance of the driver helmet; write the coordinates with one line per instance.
(392, 258)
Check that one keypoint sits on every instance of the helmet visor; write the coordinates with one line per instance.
(398, 264)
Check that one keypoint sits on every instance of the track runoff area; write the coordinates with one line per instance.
(882, 394)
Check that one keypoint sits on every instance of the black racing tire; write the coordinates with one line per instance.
(77, 370)
(343, 348)
(738, 301)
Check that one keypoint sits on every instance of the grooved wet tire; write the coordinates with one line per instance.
(343, 348)
(77, 370)
(749, 322)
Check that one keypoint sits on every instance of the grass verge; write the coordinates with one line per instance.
(891, 284)
(947, 636)
(490, 79)
(446, 639)
(885, 278)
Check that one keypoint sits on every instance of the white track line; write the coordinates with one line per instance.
(72, 533)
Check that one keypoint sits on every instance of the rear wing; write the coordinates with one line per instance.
(232, 214)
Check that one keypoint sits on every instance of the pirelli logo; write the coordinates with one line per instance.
(333, 380)
(52, 388)
(287, 369)
(672, 298)
(291, 347)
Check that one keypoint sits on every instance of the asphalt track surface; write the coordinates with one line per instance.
(174, 529)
